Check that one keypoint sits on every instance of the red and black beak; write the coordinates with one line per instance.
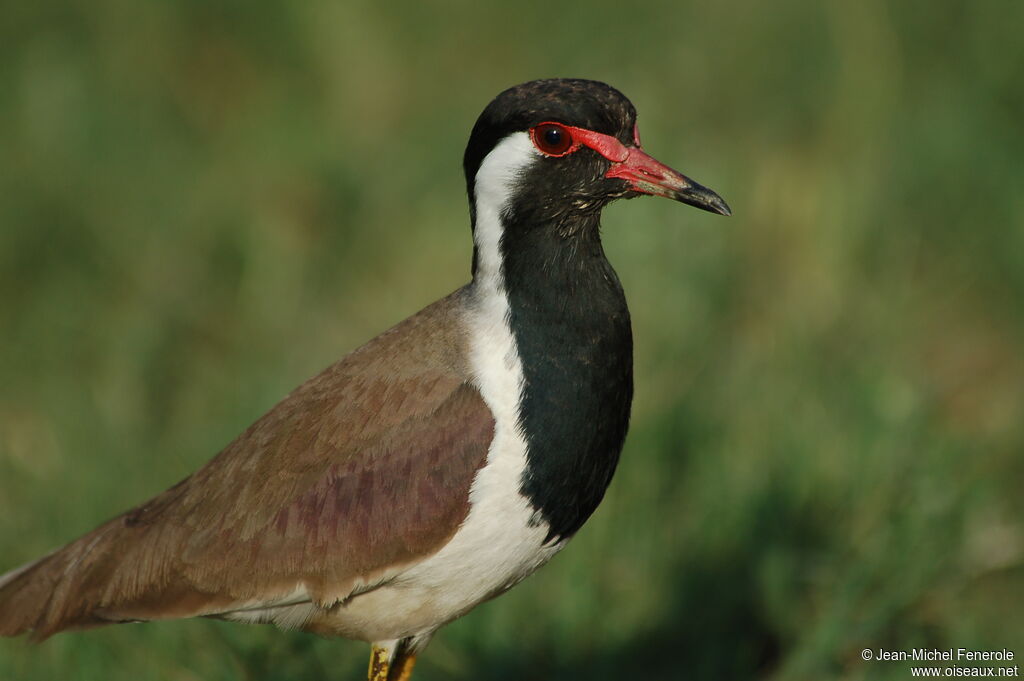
(649, 176)
(644, 173)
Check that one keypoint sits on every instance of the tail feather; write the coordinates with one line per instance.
(126, 570)
(56, 592)
(8, 577)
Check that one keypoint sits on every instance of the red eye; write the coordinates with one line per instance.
(552, 139)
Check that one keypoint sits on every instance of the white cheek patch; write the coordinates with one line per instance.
(496, 181)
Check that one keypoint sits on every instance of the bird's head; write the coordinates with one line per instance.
(555, 152)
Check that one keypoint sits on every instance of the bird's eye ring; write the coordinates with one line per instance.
(553, 139)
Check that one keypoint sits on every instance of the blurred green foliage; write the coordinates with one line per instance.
(203, 203)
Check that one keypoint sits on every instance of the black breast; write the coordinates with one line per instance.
(571, 324)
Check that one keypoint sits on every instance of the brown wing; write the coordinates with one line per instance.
(361, 470)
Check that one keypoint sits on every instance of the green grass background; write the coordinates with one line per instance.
(204, 202)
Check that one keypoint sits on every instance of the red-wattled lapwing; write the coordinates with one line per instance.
(439, 464)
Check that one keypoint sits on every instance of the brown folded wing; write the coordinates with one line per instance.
(362, 470)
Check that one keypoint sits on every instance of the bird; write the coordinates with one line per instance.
(434, 467)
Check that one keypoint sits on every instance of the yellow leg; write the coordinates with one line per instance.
(379, 659)
(402, 669)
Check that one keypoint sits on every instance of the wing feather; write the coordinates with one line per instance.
(359, 472)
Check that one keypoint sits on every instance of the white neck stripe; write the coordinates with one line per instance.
(495, 182)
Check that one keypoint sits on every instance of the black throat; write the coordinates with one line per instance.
(569, 318)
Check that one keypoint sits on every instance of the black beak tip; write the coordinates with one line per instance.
(699, 196)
